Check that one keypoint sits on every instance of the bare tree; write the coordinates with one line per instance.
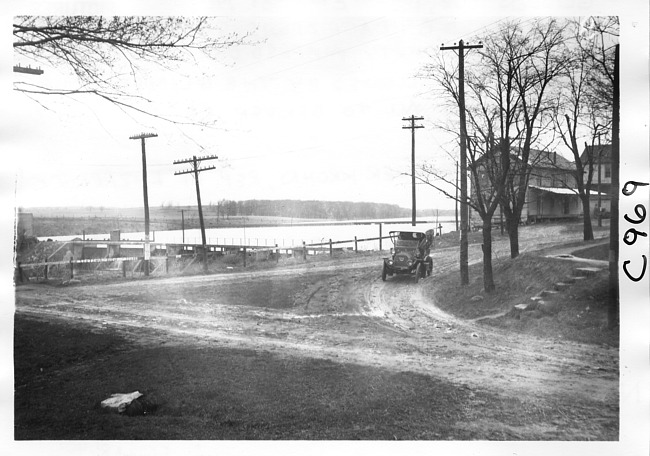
(585, 107)
(539, 57)
(100, 51)
(488, 108)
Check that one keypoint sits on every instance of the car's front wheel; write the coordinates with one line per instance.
(418, 272)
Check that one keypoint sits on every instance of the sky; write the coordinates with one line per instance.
(312, 109)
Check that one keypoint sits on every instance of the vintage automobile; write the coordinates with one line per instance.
(410, 254)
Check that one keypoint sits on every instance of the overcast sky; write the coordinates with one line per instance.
(312, 111)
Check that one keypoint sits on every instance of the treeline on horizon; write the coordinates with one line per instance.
(337, 210)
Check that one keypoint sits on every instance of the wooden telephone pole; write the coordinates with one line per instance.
(464, 207)
(147, 246)
(412, 127)
(614, 296)
(196, 170)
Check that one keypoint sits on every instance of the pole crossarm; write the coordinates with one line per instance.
(144, 136)
(461, 45)
(192, 171)
(412, 119)
(193, 159)
(27, 70)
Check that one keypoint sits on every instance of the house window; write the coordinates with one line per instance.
(608, 171)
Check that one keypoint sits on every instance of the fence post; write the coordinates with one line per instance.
(124, 268)
(355, 245)
(166, 265)
(277, 254)
(71, 269)
(244, 256)
(331, 250)
(304, 250)
(46, 266)
(380, 249)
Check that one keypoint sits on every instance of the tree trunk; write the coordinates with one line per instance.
(513, 234)
(488, 279)
(588, 232)
(512, 226)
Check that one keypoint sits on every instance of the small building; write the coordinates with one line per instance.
(601, 180)
(551, 193)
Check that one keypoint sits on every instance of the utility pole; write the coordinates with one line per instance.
(147, 246)
(600, 153)
(464, 208)
(613, 308)
(196, 170)
(456, 201)
(183, 224)
(412, 127)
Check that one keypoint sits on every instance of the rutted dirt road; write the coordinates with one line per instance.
(344, 312)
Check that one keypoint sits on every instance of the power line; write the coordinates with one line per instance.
(344, 50)
(308, 44)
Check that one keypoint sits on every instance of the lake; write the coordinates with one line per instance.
(283, 236)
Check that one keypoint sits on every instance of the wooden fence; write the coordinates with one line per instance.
(131, 266)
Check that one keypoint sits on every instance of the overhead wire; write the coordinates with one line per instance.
(309, 44)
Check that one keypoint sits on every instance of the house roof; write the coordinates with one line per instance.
(548, 159)
(560, 190)
(605, 151)
(557, 190)
(541, 159)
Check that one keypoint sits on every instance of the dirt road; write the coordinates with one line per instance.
(341, 311)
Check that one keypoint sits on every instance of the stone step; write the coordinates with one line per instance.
(545, 293)
(586, 271)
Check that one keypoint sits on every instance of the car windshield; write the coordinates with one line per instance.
(406, 240)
